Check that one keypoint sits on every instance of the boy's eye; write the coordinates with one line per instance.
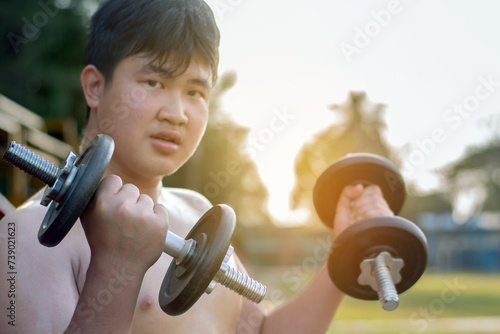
(196, 93)
(154, 84)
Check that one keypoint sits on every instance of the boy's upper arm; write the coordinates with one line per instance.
(40, 284)
(252, 315)
(5, 206)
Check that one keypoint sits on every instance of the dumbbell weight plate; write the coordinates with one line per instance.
(366, 239)
(357, 168)
(62, 215)
(184, 284)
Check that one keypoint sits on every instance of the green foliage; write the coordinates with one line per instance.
(42, 52)
(478, 170)
(415, 205)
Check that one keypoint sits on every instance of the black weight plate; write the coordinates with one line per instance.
(366, 239)
(357, 168)
(183, 286)
(62, 215)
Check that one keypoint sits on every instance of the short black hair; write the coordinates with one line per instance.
(165, 30)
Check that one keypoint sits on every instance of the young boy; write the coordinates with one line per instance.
(150, 67)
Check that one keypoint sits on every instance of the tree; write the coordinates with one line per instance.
(414, 206)
(360, 131)
(42, 52)
(473, 182)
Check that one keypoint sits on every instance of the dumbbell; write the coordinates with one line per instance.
(200, 261)
(377, 257)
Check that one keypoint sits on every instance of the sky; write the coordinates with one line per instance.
(434, 64)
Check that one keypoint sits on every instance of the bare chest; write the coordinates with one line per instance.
(217, 312)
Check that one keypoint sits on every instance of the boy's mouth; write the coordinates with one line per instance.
(166, 139)
(171, 136)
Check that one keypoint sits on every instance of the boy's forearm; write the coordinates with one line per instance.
(311, 311)
(107, 302)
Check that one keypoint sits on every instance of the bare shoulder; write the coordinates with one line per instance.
(21, 227)
(24, 223)
(39, 273)
(26, 219)
(188, 197)
(185, 207)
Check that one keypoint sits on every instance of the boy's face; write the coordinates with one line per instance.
(156, 121)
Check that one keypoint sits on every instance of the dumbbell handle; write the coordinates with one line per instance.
(382, 273)
(181, 250)
(386, 289)
(177, 247)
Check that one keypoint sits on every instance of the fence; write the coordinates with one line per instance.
(30, 130)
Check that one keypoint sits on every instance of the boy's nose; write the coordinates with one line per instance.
(173, 110)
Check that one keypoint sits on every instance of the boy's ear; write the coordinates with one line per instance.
(92, 81)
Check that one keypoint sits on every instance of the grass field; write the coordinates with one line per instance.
(440, 303)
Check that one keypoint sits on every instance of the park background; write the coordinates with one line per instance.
(302, 84)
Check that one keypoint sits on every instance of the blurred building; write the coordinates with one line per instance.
(473, 245)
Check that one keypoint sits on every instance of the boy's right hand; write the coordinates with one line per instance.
(124, 227)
